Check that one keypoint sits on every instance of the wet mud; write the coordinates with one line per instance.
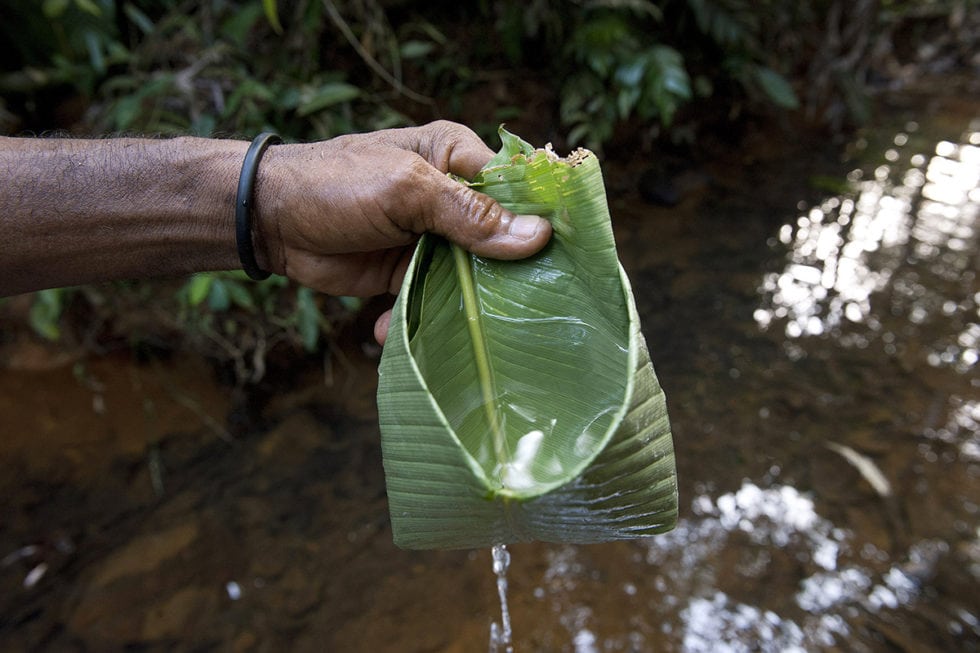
(812, 312)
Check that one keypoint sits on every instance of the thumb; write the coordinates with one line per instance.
(479, 224)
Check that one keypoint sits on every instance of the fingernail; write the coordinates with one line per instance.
(525, 227)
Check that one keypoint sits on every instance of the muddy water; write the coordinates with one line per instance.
(813, 315)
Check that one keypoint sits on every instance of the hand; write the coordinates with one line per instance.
(342, 216)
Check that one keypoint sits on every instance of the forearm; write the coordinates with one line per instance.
(78, 211)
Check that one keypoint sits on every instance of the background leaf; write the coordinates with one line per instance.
(271, 8)
(198, 288)
(776, 87)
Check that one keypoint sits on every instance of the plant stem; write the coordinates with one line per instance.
(481, 354)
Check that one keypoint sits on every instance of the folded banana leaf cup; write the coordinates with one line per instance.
(517, 399)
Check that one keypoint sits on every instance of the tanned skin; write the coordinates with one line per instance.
(340, 216)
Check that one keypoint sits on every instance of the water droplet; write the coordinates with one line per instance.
(234, 590)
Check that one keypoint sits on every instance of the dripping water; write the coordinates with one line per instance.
(500, 634)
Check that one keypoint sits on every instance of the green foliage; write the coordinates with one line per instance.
(225, 305)
(45, 313)
(642, 63)
(621, 74)
(271, 9)
(215, 67)
(775, 87)
(317, 68)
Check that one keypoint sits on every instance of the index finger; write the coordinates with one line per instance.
(467, 153)
(447, 146)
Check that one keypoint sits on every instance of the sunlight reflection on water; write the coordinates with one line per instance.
(901, 242)
(890, 263)
(775, 525)
(785, 522)
(779, 520)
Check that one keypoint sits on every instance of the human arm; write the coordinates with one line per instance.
(340, 216)
(77, 211)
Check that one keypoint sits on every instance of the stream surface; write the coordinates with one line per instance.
(812, 313)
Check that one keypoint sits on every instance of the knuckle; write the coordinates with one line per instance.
(444, 137)
(444, 128)
(484, 214)
(417, 171)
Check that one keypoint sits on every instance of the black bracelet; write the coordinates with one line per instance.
(243, 204)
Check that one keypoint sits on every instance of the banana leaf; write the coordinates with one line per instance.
(516, 399)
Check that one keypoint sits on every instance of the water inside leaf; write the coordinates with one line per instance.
(531, 394)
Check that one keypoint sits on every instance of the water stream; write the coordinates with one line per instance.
(501, 635)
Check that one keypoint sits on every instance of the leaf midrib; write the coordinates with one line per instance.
(481, 352)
